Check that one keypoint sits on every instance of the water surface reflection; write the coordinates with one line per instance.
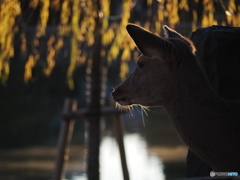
(144, 163)
(141, 164)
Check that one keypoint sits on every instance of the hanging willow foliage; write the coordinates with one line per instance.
(76, 21)
(8, 12)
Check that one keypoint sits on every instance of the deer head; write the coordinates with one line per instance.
(157, 68)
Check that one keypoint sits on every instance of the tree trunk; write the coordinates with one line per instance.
(94, 131)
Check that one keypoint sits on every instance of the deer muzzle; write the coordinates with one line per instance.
(120, 98)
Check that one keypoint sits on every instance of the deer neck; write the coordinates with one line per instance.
(192, 106)
(191, 101)
(189, 91)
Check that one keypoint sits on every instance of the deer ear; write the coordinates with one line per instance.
(148, 44)
(170, 33)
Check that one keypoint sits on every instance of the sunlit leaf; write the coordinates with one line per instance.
(126, 54)
(28, 67)
(33, 3)
(106, 12)
(184, 5)
(9, 10)
(59, 44)
(123, 69)
(194, 22)
(44, 15)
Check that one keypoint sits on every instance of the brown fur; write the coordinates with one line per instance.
(169, 75)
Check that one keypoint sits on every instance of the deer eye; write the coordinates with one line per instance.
(140, 64)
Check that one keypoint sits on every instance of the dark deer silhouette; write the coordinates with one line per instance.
(168, 75)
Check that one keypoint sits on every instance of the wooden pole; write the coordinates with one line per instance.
(119, 138)
(64, 140)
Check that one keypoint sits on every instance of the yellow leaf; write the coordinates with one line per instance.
(123, 70)
(126, 54)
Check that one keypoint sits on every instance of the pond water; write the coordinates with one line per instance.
(141, 164)
(153, 152)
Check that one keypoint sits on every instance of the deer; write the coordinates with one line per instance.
(168, 74)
